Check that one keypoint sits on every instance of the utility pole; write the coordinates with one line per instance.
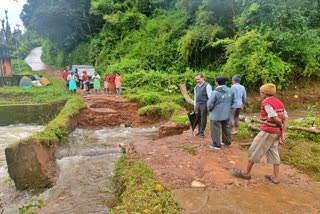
(16, 34)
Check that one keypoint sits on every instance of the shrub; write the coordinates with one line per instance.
(249, 55)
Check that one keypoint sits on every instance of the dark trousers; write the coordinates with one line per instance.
(202, 117)
(234, 117)
(215, 132)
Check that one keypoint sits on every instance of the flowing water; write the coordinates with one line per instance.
(9, 198)
(85, 167)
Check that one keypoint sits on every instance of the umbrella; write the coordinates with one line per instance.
(194, 119)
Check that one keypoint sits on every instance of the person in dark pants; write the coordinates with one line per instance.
(219, 106)
(202, 92)
(240, 98)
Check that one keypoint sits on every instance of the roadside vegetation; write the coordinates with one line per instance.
(138, 192)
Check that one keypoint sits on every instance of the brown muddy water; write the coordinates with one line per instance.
(85, 168)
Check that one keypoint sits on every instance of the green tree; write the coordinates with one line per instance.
(250, 55)
(66, 23)
(294, 30)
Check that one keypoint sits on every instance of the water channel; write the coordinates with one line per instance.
(85, 164)
(9, 198)
(85, 167)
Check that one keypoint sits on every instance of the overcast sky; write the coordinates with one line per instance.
(14, 10)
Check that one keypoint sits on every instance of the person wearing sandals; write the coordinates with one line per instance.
(273, 126)
(219, 105)
(240, 98)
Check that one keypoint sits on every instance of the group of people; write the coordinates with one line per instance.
(224, 105)
(112, 83)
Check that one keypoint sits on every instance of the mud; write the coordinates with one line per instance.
(180, 161)
(107, 110)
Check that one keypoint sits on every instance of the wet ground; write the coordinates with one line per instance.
(177, 168)
(183, 161)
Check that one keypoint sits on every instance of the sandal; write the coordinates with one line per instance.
(239, 173)
(271, 179)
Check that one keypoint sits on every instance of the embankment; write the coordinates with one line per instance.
(31, 161)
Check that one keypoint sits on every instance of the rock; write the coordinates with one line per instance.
(197, 184)
(31, 165)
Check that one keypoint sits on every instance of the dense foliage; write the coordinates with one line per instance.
(264, 41)
(64, 23)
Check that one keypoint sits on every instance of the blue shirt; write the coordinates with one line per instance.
(240, 95)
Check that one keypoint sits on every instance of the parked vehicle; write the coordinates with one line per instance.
(80, 68)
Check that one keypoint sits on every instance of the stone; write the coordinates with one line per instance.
(197, 184)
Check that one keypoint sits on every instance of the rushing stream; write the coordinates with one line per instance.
(9, 198)
(85, 167)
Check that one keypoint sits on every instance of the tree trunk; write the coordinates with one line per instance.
(249, 120)
(184, 92)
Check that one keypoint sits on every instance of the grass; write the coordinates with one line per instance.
(57, 129)
(54, 93)
(190, 149)
(180, 119)
(20, 67)
(45, 94)
(138, 192)
(304, 155)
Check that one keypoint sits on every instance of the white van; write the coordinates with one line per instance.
(80, 68)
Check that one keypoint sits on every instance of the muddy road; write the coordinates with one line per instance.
(202, 181)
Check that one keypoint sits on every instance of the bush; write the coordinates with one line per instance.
(250, 56)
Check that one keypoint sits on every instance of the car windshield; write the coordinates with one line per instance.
(80, 68)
